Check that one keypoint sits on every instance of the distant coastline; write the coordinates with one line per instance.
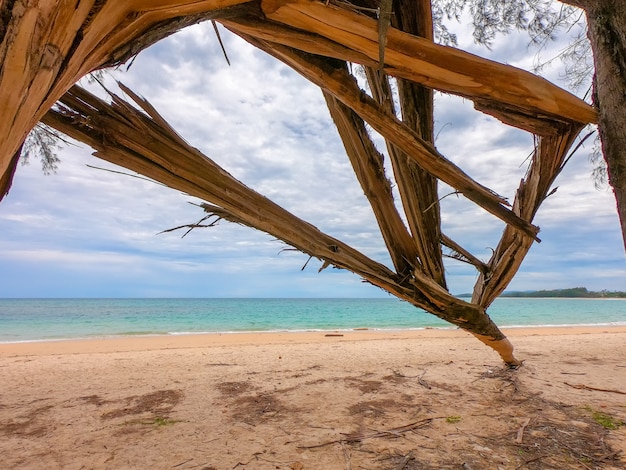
(23, 320)
(571, 293)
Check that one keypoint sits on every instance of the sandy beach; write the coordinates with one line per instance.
(319, 400)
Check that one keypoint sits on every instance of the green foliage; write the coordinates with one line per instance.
(540, 18)
(600, 174)
(42, 142)
(605, 420)
(574, 292)
(161, 421)
(156, 421)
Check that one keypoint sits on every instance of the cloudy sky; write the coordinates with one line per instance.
(86, 232)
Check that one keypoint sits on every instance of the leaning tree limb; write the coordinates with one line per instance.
(439, 67)
(417, 187)
(47, 45)
(547, 162)
(145, 143)
(369, 169)
(332, 77)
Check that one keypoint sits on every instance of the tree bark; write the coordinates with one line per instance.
(438, 67)
(607, 32)
(48, 45)
(418, 188)
(144, 142)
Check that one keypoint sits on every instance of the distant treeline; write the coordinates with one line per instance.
(578, 292)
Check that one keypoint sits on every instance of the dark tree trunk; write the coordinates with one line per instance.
(607, 33)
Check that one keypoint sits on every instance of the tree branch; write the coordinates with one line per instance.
(123, 135)
(333, 79)
(367, 163)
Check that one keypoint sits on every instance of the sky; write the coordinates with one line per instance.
(88, 232)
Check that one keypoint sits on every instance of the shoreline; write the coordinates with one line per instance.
(306, 401)
(209, 340)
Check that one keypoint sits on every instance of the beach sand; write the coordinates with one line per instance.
(431, 399)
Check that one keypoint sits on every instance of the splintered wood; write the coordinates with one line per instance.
(46, 48)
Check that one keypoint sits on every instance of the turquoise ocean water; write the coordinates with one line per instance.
(53, 319)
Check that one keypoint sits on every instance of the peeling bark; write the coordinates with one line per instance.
(46, 46)
(145, 143)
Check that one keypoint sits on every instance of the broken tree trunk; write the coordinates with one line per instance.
(46, 46)
(439, 67)
(145, 143)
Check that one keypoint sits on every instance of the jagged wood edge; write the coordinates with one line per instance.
(330, 76)
(125, 136)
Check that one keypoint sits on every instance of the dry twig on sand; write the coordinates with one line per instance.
(594, 389)
(520, 433)
(407, 458)
(358, 437)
